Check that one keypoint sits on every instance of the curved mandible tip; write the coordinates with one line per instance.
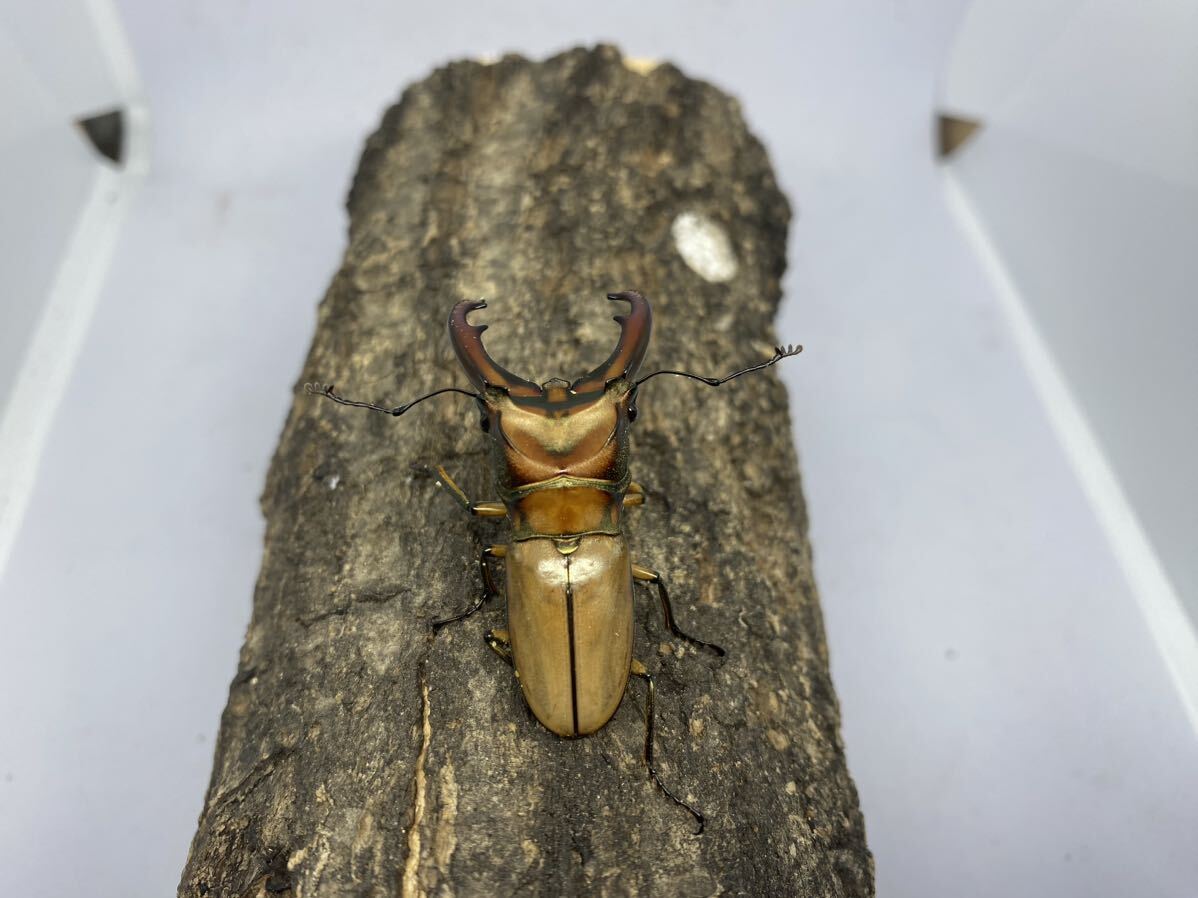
(482, 370)
(635, 329)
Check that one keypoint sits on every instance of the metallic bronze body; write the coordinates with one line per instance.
(560, 457)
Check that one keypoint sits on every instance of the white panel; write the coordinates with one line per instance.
(59, 38)
(1085, 180)
(1108, 79)
(1000, 44)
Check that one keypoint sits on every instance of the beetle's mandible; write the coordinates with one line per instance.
(560, 459)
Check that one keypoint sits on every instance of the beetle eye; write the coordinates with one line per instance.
(632, 404)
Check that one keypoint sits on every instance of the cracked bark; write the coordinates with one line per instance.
(359, 754)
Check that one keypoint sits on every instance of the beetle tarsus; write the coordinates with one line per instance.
(638, 670)
(489, 588)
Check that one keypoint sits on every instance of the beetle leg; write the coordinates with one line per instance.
(634, 496)
(489, 588)
(478, 509)
(651, 577)
(498, 641)
(638, 670)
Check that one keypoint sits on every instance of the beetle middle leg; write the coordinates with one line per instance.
(638, 670)
(634, 496)
(489, 588)
(499, 643)
(653, 578)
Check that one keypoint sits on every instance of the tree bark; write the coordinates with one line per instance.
(360, 754)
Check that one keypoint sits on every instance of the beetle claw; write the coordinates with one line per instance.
(635, 327)
(482, 370)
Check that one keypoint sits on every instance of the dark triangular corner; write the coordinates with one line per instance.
(106, 132)
(953, 131)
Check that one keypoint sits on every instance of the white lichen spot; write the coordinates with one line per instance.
(791, 788)
(779, 740)
(318, 866)
(446, 838)
(704, 246)
(334, 480)
(640, 65)
(410, 885)
(531, 852)
(364, 834)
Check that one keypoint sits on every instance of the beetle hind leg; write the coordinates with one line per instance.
(489, 588)
(653, 578)
(638, 670)
(500, 644)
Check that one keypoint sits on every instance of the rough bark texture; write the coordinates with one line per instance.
(361, 755)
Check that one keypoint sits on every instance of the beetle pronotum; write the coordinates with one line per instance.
(560, 459)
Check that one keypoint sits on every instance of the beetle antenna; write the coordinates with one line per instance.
(326, 390)
(780, 353)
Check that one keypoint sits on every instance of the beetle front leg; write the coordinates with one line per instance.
(478, 509)
(652, 578)
(489, 588)
(638, 670)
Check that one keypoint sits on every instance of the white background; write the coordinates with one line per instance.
(1009, 722)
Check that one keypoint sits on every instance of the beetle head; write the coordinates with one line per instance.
(541, 432)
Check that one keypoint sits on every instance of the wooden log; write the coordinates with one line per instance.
(362, 755)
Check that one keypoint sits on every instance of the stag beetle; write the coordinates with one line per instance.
(560, 459)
